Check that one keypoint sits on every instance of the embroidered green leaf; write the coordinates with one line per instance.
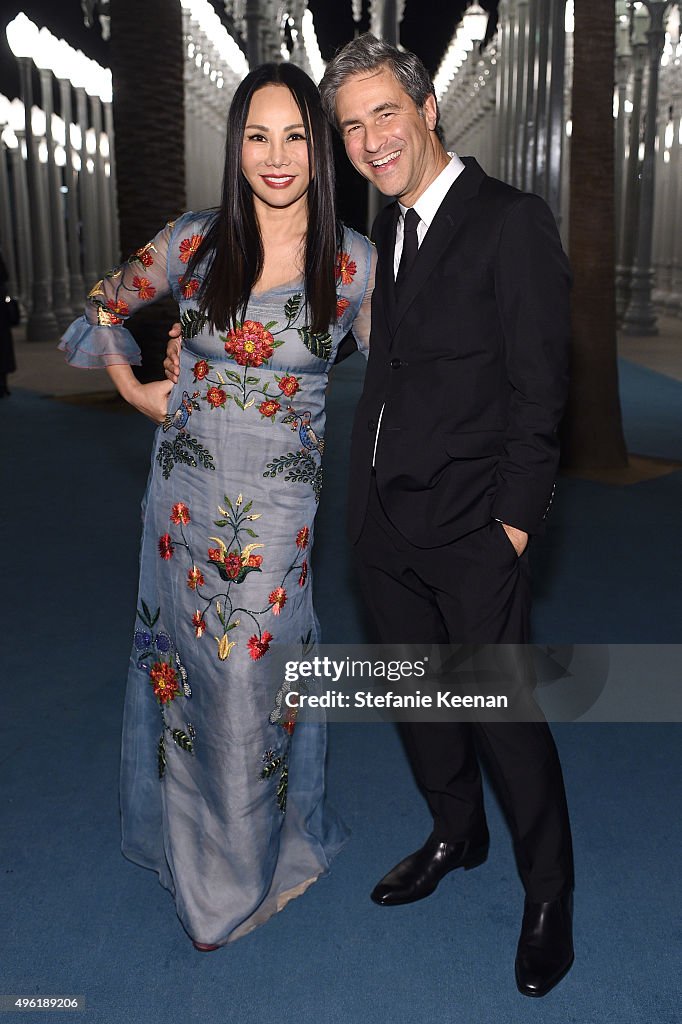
(251, 533)
(271, 767)
(182, 740)
(252, 380)
(161, 756)
(234, 377)
(298, 468)
(293, 305)
(319, 345)
(192, 323)
(237, 401)
(184, 449)
(307, 643)
(271, 323)
(221, 522)
(147, 617)
(282, 787)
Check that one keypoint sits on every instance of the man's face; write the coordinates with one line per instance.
(387, 138)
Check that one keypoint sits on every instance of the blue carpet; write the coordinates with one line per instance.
(79, 919)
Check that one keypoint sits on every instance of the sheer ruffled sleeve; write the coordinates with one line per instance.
(356, 268)
(99, 338)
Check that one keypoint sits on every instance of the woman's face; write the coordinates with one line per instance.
(274, 148)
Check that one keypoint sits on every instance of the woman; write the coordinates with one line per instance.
(221, 793)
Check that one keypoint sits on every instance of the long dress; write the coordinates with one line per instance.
(222, 791)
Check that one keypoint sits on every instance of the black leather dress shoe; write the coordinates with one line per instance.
(418, 875)
(545, 951)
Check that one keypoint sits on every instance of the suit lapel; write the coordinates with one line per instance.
(384, 237)
(443, 227)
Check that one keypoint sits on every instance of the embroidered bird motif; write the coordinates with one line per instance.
(179, 418)
(309, 438)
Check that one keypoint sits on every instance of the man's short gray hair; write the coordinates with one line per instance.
(367, 53)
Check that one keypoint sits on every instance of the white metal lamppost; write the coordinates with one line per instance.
(106, 96)
(93, 138)
(628, 236)
(61, 66)
(623, 61)
(7, 141)
(640, 317)
(87, 187)
(43, 59)
(22, 36)
(14, 139)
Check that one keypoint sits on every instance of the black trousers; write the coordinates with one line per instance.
(473, 591)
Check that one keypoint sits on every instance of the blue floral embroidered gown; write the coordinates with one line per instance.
(221, 793)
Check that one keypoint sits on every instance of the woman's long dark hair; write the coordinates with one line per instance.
(232, 244)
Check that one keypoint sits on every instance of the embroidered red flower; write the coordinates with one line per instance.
(278, 598)
(259, 647)
(269, 408)
(144, 255)
(346, 269)
(289, 385)
(216, 397)
(189, 288)
(201, 369)
(145, 289)
(254, 561)
(304, 573)
(341, 306)
(105, 318)
(302, 538)
(215, 554)
(119, 306)
(195, 578)
(165, 682)
(233, 565)
(180, 514)
(166, 546)
(199, 623)
(188, 246)
(251, 344)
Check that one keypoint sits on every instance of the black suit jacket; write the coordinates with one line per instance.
(469, 361)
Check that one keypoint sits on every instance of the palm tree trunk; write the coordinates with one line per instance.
(593, 432)
(147, 61)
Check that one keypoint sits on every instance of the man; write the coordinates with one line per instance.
(454, 453)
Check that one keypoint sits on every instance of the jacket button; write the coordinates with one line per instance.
(396, 364)
(371, 425)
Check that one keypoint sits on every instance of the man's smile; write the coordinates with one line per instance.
(386, 161)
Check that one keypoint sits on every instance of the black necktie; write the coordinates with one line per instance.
(410, 246)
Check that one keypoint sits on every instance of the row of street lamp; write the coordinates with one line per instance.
(62, 223)
(511, 106)
(509, 103)
(58, 213)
